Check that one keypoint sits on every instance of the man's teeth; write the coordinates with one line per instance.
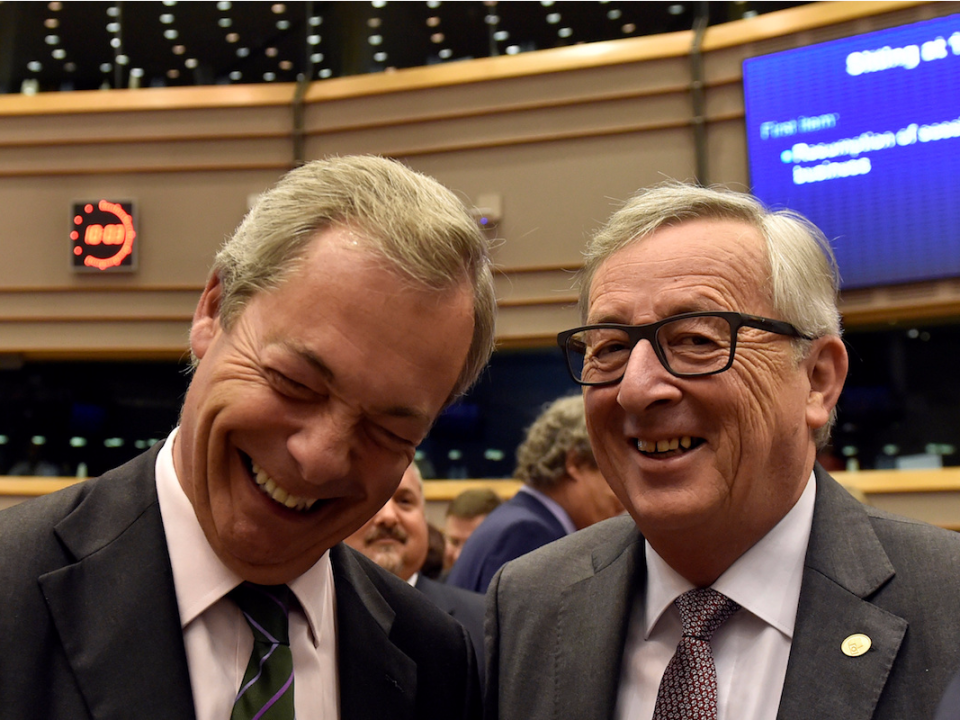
(277, 493)
(649, 446)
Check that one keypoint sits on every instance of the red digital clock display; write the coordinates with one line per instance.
(103, 236)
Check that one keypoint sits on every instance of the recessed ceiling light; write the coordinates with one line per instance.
(437, 38)
(59, 53)
(614, 14)
(446, 54)
(269, 76)
(553, 18)
(676, 9)
(51, 23)
(191, 63)
(136, 72)
(232, 37)
(283, 24)
(380, 56)
(236, 75)
(278, 8)
(433, 21)
(270, 52)
(375, 39)
(491, 19)
(115, 42)
(113, 11)
(54, 6)
(379, 3)
(629, 28)
(316, 58)
(122, 59)
(224, 22)
(52, 39)
(325, 73)
(179, 49)
(313, 39)
(286, 65)
(224, 6)
(243, 51)
(173, 73)
(433, 4)
(315, 20)
(373, 22)
(70, 66)
(34, 66)
(513, 49)
(166, 18)
(106, 67)
(170, 34)
(565, 32)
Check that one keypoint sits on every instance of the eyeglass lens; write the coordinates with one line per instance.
(688, 346)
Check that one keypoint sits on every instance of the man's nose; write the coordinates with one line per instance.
(323, 445)
(646, 381)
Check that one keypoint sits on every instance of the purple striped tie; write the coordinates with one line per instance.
(266, 692)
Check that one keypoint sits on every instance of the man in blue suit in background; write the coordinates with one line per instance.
(563, 491)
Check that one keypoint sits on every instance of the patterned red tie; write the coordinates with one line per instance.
(688, 689)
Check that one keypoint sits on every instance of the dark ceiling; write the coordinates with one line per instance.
(50, 46)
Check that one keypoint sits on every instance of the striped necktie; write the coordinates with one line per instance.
(266, 692)
(688, 689)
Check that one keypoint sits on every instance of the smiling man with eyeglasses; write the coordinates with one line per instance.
(745, 583)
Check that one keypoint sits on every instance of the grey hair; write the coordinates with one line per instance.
(804, 282)
(419, 228)
(559, 429)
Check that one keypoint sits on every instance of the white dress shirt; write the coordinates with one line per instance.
(217, 638)
(750, 650)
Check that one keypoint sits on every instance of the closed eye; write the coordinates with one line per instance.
(288, 386)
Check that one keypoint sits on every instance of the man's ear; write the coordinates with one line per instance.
(206, 318)
(826, 368)
(574, 465)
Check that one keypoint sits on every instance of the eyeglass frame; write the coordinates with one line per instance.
(648, 332)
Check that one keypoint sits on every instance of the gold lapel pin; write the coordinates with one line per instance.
(856, 645)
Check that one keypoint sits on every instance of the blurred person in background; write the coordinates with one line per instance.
(464, 515)
(563, 491)
(397, 539)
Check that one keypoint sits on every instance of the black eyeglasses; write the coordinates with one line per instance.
(687, 345)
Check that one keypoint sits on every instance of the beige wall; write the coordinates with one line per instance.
(561, 136)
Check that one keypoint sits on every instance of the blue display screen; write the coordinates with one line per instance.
(862, 136)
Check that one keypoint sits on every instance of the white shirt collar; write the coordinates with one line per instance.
(765, 580)
(199, 577)
(553, 506)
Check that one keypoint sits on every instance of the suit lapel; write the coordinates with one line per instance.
(597, 609)
(115, 608)
(845, 565)
(377, 680)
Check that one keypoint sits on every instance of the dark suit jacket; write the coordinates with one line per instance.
(558, 619)
(520, 525)
(464, 606)
(89, 626)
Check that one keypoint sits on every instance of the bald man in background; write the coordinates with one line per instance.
(397, 539)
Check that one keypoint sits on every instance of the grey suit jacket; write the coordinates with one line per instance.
(557, 619)
(89, 626)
